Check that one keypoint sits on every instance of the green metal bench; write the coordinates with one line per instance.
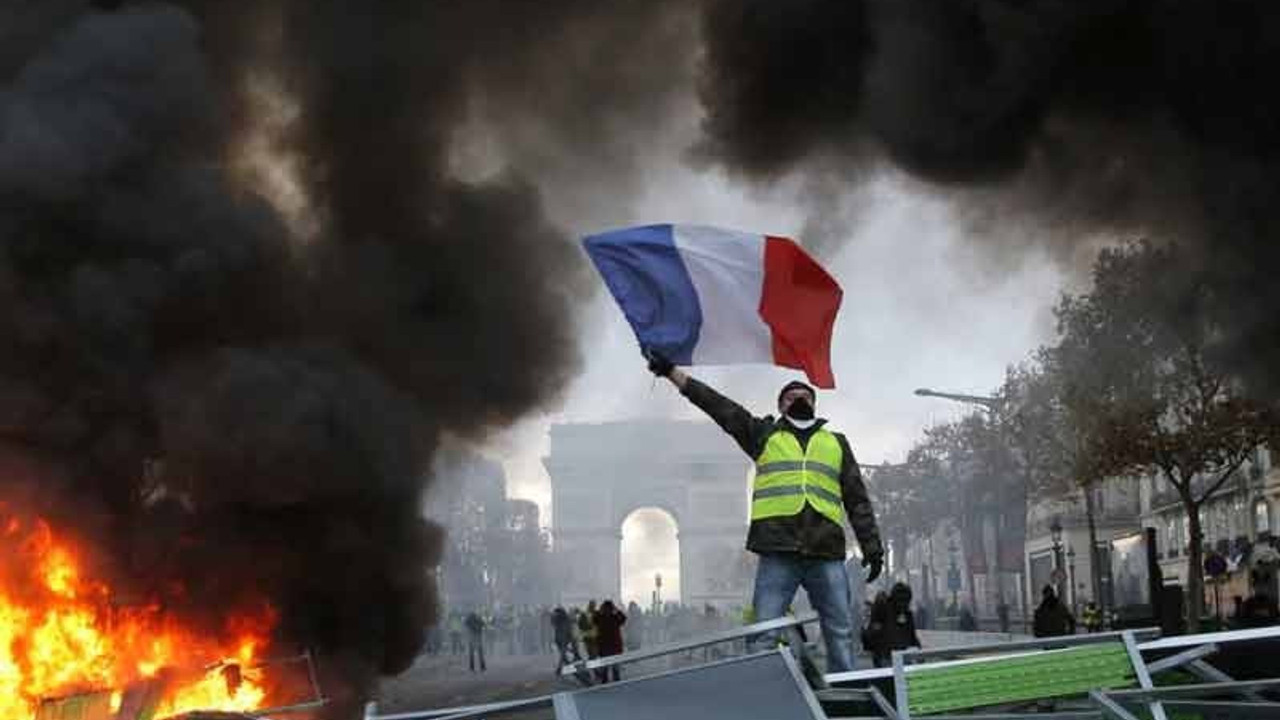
(1025, 672)
(1045, 675)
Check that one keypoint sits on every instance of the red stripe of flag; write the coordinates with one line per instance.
(799, 303)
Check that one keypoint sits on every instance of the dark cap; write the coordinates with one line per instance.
(797, 385)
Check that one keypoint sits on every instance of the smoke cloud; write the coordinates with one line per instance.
(1064, 121)
(245, 291)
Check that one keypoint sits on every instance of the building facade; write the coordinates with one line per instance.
(496, 553)
(1116, 507)
(954, 565)
(1239, 517)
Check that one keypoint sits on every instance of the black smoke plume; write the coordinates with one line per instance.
(233, 383)
(1108, 117)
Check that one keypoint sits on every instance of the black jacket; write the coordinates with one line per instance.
(808, 533)
(1053, 619)
(892, 627)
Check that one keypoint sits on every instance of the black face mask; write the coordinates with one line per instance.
(800, 409)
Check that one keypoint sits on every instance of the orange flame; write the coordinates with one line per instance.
(62, 634)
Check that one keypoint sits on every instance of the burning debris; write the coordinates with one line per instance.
(232, 408)
(64, 632)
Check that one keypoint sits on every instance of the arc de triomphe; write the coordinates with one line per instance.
(602, 472)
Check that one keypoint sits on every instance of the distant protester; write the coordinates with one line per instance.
(566, 645)
(609, 621)
(475, 640)
(1260, 608)
(1092, 617)
(633, 635)
(1053, 619)
(587, 630)
(892, 625)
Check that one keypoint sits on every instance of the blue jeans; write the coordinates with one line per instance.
(778, 575)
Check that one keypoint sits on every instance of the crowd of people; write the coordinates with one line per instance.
(1053, 618)
(589, 634)
(483, 632)
(598, 630)
(571, 634)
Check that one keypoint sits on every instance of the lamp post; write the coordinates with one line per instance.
(1071, 573)
(1055, 535)
(928, 572)
(995, 406)
(953, 575)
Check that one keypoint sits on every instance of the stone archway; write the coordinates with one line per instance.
(600, 473)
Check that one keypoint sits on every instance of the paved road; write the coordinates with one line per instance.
(445, 681)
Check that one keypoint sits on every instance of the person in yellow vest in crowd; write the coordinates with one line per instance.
(1091, 617)
(807, 483)
(587, 626)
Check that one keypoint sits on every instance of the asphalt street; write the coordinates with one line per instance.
(445, 681)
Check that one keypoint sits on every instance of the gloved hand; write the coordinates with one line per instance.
(659, 364)
(874, 564)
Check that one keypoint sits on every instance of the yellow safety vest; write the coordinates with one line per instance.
(787, 477)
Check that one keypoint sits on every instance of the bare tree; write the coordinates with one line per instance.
(1056, 429)
(911, 498)
(1137, 366)
(963, 472)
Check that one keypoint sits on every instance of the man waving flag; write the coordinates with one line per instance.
(700, 295)
(708, 296)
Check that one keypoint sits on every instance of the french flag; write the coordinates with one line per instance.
(709, 296)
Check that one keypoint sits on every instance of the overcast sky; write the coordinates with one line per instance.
(923, 306)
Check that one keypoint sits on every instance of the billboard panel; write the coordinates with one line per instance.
(1129, 579)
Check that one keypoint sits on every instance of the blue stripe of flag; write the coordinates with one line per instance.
(646, 275)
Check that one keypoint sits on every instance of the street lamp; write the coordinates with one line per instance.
(990, 403)
(953, 574)
(1071, 571)
(1055, 535)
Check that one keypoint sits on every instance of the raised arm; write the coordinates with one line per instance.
(747, 430)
